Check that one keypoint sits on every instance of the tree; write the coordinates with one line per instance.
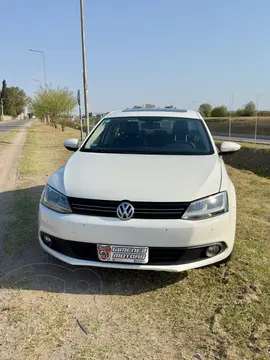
(249, 109)
(15, 101)
(205, 110)
(219, 111)
(55, 104)
(239, 112)
(3, 94)
(30, 108)
(137, 107)
(169, 107)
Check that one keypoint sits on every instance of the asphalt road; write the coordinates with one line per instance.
(5, 127)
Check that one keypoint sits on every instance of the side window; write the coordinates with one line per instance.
(96, 136)
(112, 134)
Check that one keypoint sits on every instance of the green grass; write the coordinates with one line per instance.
(219, 313)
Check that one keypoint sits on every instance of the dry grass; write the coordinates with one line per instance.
(212, 313)
(44, 152)
(241, 125)
(46, 143)
(6, 139)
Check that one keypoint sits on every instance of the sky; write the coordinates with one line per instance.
(163, 52)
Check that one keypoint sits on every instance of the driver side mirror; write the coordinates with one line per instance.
(228, 147)
(71, 144)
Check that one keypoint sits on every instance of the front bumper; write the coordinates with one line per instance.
(138, 232)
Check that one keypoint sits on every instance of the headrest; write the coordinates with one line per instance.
(131, 128)
(180, 127)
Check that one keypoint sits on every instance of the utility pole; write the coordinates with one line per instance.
(85, 87)
(256, 117)
(80, 111)
(231, 100)
(230, 119)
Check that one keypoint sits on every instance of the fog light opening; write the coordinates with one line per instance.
(212, 250)
(47, 240)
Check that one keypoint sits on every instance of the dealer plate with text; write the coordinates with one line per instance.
(127, 254)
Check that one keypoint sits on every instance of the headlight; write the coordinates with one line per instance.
(55, 200)
(207, 208)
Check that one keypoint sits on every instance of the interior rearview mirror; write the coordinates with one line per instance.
(71, 144)
(228, 147)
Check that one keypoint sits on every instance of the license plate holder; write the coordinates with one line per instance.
(123, 253)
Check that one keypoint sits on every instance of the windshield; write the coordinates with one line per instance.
(150, 135)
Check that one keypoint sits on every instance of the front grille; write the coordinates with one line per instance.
(157, 255)
(143, 210)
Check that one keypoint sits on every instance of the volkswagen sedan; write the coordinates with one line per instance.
(147, 189)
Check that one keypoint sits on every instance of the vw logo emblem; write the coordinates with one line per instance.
(125, 211)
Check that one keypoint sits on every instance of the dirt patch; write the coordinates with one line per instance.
(9, 157)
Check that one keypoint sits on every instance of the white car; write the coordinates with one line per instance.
(147, 189)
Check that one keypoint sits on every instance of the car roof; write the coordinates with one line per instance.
(167, 112)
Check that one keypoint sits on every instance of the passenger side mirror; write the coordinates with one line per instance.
(228, 147)
(71, 144)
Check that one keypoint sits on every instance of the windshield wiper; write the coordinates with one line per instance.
(95, 150)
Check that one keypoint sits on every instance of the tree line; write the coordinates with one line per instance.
(55, 105)
(51, 105)
(207, 110)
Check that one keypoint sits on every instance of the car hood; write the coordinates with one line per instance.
(161, 178)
